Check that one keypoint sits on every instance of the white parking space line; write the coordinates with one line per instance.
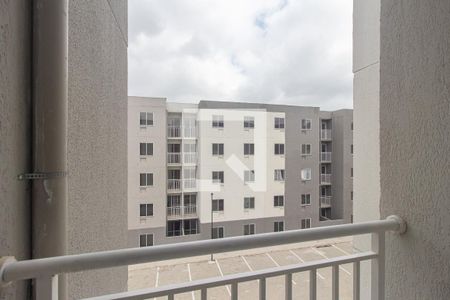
(302, 260)
(221, 274)
(157, 278)
(323, 255)
(190, 279)
(340, 249)
(277, 264)
(246, 262)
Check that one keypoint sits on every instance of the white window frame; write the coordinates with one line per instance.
(218, 149)
(279, 175)
(278, 148)
(147, 176)
(217, 121)
(216, 232)
(249, 203)
(279, 123)
(249, 148)
(306, 174)
(305, 199)
(221, 177)
(305, 148)
(249, 229)
(147, 205)
(277, 199)
(249, 176)
(305, 223)
(146, 147)
(147, 119)
(276, 226)
(249, 122)
(306, 124)
(147, 235)
(218, 201)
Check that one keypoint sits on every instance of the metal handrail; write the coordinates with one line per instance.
(44, 267)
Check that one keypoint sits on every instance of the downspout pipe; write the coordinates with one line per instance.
(50, 100)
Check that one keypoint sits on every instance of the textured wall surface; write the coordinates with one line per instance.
(415, 145)
(97, 139)
(15, 33)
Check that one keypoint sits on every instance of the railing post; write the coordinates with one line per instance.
(204, 294)
(288, 286)
(356, 280)
(378, 266)
(47, 288)
(313, 284)
(335, 283)
(262, 289)
(234, 291)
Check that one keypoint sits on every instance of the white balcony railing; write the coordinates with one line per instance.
(325, 134)
(190, 158)
(325, 178)
(181, 211)
(190, 183)
(325, 156)
(46, 270)
(173, 131)
(325, 201)
(174, 158)
(189, 131)
(173, 184)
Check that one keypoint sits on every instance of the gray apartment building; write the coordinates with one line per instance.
(245, 167)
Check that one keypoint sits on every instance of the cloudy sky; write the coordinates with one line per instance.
(275, 51)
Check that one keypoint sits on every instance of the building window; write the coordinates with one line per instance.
(306, 199)
(146, 210)
(249, 175)
(146, 149)
(279, 123)
(217, 205)
(351, 148)
(249, 122)
(306, 124)
(249, 149)
(279, 175)
(306, 174)
(278, 201)
(351, 195)
(146, 119)
(351, 172)
(217, 149)
(279, 149)
(278, 226)
(217, 121)
(249, 229)
(249, 202)
(217, 233)
(190, 226)
(218, 177)
(146, 179)
(306, 149)
(305, 223)
(145, 240)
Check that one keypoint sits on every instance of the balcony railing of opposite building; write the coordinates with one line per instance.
(189, 183)
(325, 201)
(46, 270)
(325, 134)
(173, 131)
(325, 156)
(325, 178)
(174, 184)
(173, 158)
(189, 131)
(190, 158)
(182, 211)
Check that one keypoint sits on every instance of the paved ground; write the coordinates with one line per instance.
(183, 270)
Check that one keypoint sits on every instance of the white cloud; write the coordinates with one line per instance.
(296, 52)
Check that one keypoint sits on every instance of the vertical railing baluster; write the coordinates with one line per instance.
(288, 286)
(313, 284)
(170, 297)
(335, 283)
(356, 280)
(378, 266)
(262, 289)
(204, 294)
(47, 288)
(234, 291)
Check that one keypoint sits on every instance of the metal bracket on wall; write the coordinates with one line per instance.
(41, 175)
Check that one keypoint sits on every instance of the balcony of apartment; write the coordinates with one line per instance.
(325, 134)
(189, 132)
(174, 131)
(325, 201)
(189, 184)
(181, 212)
(325, 179)
(174, 185)
(325, 157)
(46, 270)
(174, 158)
(190, 158)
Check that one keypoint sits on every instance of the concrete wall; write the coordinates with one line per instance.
(15, 41)
(415, 145)
(366, 133)
(97, 139)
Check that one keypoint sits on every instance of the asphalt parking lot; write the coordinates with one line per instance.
(200, 267)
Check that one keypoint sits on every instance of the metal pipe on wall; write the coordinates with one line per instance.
(50, 96)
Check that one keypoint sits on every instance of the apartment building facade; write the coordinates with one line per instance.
(247, 168)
